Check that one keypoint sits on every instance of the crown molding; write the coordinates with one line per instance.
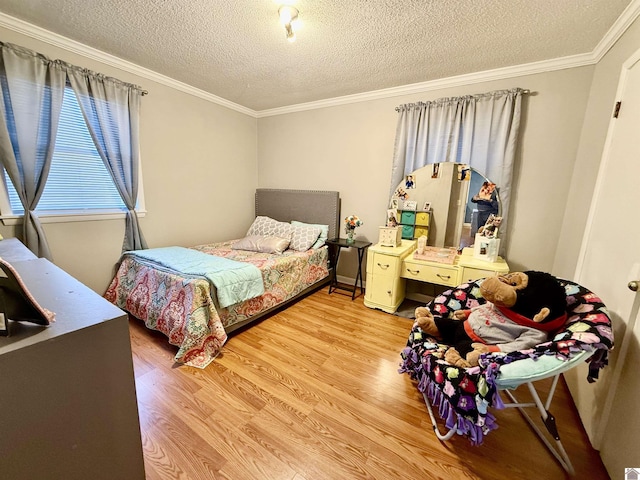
(457, 81)
(46, 36)
(620, 26)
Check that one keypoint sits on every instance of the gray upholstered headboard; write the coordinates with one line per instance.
(308, 206)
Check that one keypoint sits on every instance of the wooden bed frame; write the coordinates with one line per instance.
(309, 206)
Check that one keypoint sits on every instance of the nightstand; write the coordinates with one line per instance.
(337, 244)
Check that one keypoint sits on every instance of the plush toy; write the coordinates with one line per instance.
(522, 309)
(491, 227)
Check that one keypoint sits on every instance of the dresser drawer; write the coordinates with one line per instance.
(385, 265)
(440, 275)
(470, 274)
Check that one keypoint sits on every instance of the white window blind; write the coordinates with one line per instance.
(78, 180)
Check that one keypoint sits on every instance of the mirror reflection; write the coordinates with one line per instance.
(451, 202)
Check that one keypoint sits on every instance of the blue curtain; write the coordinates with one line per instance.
(32, 89)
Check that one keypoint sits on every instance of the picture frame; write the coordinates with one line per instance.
(394, 204)
(427, 206)
(486, 249)
(410, 205)
(392, 217)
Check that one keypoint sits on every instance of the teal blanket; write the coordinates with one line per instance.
(234, 281)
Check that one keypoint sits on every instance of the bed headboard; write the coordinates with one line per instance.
(308, 206)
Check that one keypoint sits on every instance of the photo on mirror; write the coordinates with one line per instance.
(400, 193)
(410, 182)
(464, 172)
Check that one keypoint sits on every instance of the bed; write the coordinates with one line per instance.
(169, 290)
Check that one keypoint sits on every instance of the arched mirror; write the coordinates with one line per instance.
(452, 199)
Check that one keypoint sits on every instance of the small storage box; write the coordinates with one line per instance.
(421, 231)
(407, 231)
(408, 217)
(390, 236)
(422, 218)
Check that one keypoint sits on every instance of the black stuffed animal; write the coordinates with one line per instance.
(522, 309)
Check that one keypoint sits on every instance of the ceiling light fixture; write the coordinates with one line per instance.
(288, 15)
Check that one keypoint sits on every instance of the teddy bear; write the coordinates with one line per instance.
(491, 227)
(522, 309)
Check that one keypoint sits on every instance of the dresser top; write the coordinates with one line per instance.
(404, 248)
(76, 306)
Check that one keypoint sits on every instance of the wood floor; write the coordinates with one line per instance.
(313, 392)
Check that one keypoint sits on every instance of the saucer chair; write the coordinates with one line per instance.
(464, 397)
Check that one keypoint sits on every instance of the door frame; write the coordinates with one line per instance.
(604, 164)
(605, 161)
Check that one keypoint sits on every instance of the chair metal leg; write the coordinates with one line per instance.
(441, 437)
(549, 421)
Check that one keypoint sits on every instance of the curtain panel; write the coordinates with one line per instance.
(111, 110)
(32, 88)
(31, 92)
(478, 130)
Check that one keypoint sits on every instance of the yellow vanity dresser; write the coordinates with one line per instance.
(389, 267)
(385, 286)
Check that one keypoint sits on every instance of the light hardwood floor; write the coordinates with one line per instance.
(314, 392)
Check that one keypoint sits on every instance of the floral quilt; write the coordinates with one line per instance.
(464, 396)
(184, 309)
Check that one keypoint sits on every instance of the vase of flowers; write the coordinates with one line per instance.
(350, 224)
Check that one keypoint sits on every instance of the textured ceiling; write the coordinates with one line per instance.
(236, 49)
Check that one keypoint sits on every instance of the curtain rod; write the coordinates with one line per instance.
(521, 91)
(524, 92)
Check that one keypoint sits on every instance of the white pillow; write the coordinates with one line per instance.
(324, 232)
(269, 227)
(260, 243)
(304, 237)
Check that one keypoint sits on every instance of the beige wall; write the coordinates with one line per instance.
(349, 148)
(199, 171)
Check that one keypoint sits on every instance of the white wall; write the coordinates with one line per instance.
(349, 148)
(199, 170)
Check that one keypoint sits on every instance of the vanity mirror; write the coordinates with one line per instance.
(456, 198)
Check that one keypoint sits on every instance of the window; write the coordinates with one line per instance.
(78, 181)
